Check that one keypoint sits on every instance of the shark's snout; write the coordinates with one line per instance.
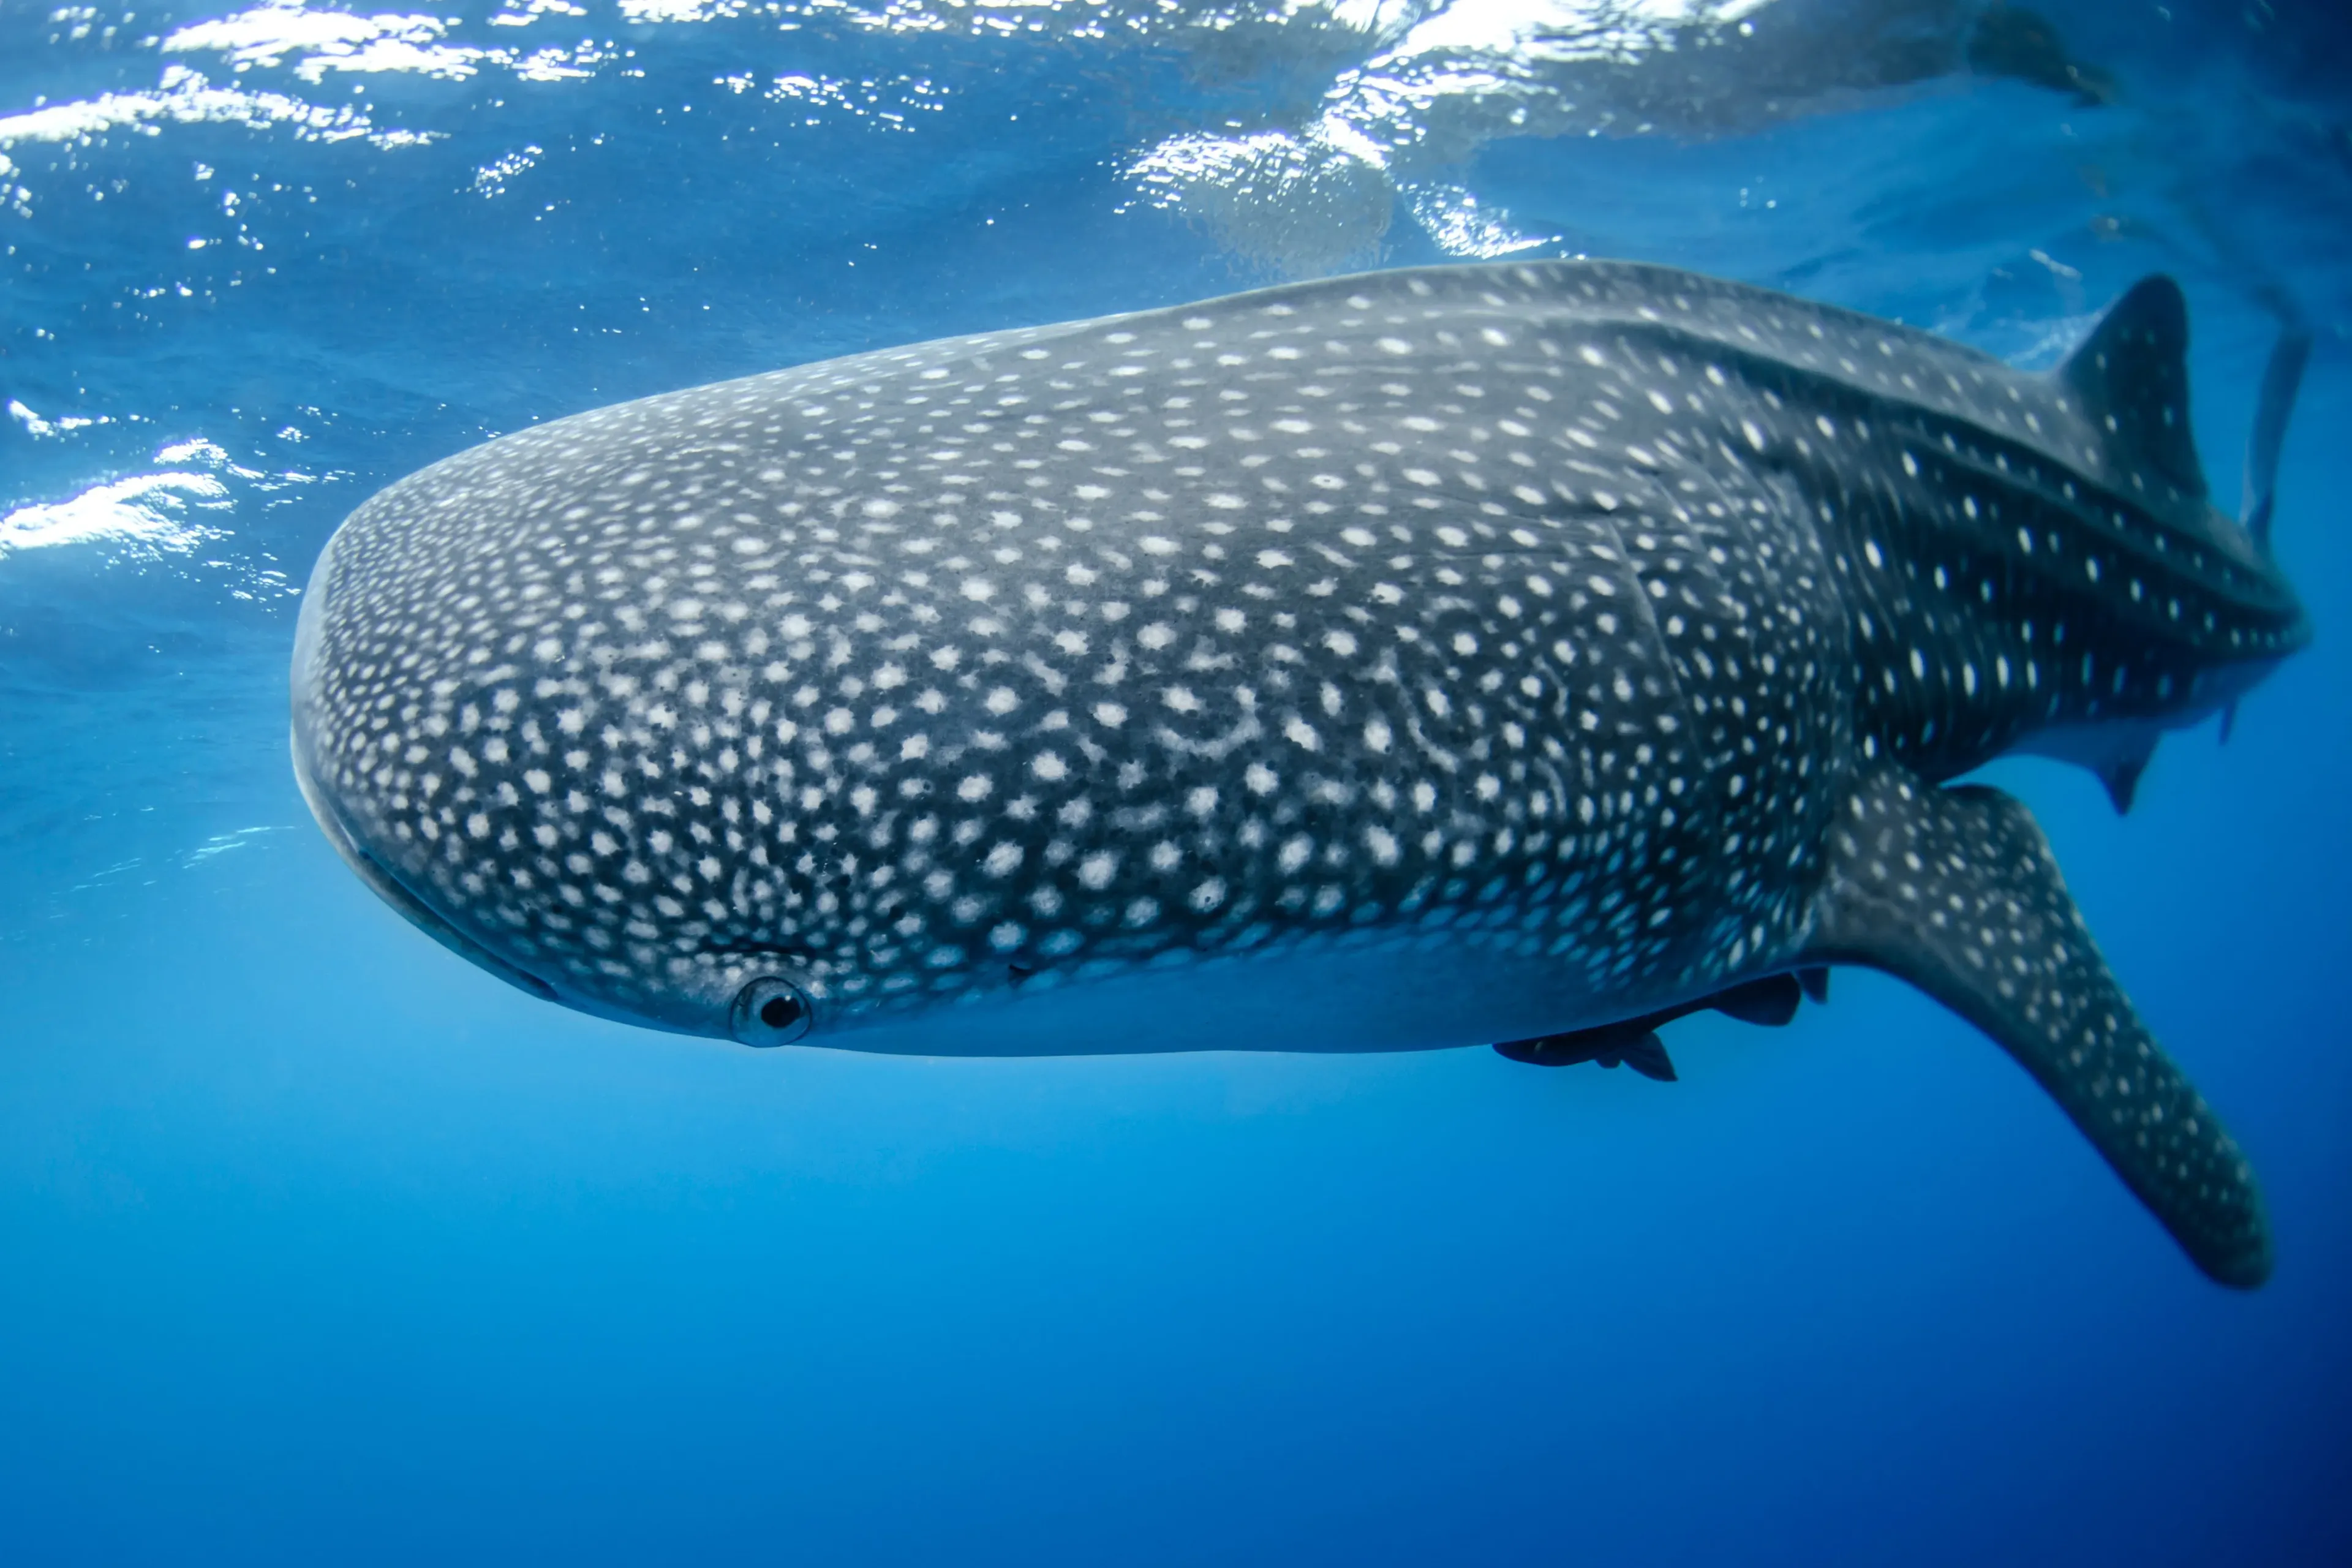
(412, 834)
(331, 811)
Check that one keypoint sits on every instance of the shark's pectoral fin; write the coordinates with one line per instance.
(1955, 890)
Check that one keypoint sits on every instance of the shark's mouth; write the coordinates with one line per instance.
(379, 877)
(393, 891)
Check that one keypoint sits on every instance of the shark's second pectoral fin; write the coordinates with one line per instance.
(1955, 890)
(1634, 1042)
(1647, 1056)
(1771, 1001)
(2120, 773)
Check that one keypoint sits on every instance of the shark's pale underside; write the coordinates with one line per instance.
(1516, 653)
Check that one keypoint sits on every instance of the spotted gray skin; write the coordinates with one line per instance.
(1418, 659)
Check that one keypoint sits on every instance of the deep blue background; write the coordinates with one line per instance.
(317, 1245)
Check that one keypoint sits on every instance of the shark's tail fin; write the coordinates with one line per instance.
(2282, 379)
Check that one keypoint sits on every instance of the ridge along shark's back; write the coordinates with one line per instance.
(1426, 658)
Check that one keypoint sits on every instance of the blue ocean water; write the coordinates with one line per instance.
(317, 1244)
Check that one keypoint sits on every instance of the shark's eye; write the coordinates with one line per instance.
(770, 1012)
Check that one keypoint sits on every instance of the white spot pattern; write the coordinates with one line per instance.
(1502, 604)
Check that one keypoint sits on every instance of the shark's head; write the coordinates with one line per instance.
(852, 695)
(445, 762)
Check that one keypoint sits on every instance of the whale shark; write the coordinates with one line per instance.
(1514, 654)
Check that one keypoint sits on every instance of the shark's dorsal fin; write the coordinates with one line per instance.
(1955, 890)
(2131, 376)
